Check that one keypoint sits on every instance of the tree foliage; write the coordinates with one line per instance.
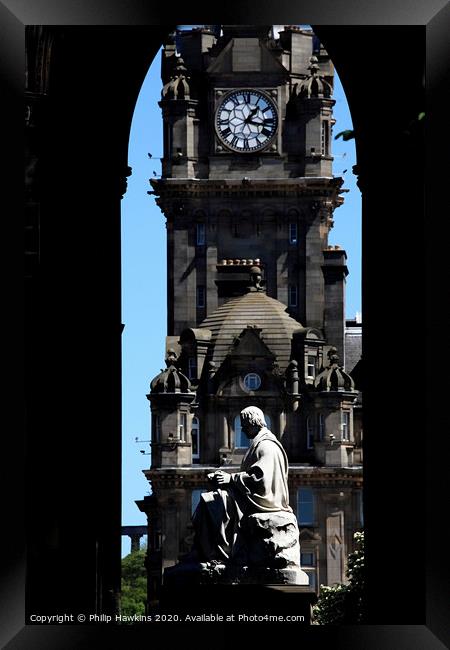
(344, 604)
(134, 583)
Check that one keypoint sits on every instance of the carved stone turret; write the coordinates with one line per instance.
(315, 85)
(179, 115)
(170, 380)
(177, 87)
(334, 377)
(171, 398)
(312, 98)
(334, 401)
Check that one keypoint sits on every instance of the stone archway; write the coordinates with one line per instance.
(79, 145)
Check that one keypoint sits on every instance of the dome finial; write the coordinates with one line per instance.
(171, 357)
(180, 68)
(313, 65)
(256, 279)
(333, 356)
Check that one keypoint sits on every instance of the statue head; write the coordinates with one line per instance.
(252, 421)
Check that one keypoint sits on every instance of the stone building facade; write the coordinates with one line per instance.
(256, 296)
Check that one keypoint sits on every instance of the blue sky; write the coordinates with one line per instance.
(144, 274)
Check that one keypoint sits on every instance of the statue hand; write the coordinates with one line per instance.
(221, 477)
(212, 479)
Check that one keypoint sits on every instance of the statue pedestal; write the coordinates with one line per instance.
(239, 602)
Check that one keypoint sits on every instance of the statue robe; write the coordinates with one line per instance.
(260, 486)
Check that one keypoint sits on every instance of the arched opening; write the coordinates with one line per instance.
(144, 304)
(81, 297)
(144, 266)
(144, 291)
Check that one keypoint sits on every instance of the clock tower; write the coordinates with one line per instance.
(255, 293)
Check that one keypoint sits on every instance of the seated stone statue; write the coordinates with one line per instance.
(245, 528)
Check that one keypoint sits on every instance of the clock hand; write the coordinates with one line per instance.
(254, 123)
(250, 115)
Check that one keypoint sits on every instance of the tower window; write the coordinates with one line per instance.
(182, 426)
(311, 367)
(201, 296)
(305, 506)
(345, 423)
(157, 428)
(293, 234)
(195, 437)
(309, 433)
(252, 381)
(325, 138)
(192, 368)
(293, 295)
(321, 422)
(201, 235)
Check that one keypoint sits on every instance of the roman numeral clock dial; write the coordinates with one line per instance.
(246, 120)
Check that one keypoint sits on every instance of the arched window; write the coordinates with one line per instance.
(241, 440)
(195, 437)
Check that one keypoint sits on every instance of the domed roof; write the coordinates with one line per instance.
(177, 87)
(314, 85)
(256, 309)
(170, 380)
(334, 377)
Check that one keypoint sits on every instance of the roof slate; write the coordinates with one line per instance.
(256, 309)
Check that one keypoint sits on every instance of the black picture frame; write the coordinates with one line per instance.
(407, 469)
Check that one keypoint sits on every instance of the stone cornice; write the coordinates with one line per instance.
(194, 477)
(326, 476)
(191, 188)
(180, 477)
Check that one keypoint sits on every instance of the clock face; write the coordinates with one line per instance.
(246, 120)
